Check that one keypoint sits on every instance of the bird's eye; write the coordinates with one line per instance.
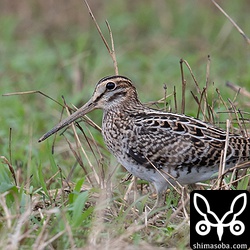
(110, 85)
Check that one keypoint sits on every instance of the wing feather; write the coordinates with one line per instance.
(174, 141)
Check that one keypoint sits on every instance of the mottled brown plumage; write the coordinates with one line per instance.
(157, 146)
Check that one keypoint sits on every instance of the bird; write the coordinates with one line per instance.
(160, 147)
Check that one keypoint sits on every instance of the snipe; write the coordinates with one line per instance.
(157, 146)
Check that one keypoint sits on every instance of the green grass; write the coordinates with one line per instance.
(52, 204)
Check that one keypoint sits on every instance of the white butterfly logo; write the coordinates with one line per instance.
(236, 227)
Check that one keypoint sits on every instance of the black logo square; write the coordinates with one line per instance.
(220, 219)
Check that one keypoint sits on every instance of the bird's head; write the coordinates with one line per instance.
(110, 93)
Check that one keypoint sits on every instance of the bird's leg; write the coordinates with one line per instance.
(160, 202)
(161, 199)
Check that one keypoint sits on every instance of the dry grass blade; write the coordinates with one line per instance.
(192, 74)
(208, 70)
(151, 219)
(90, 122)
(52, 239)
(113, 56)
(111, 51)
(206, 87)
(245, 133)
(224, 155)
(10, 168)
(183, 202)
(183, 81)
(32, 92)
(224, 104)
(242, 130)
(238, 89)
(175, 101)
(78, 143)
(199, 104)
(161, 172)
(232, 21)
(5, 209)
(17, 234)
(238, 166)
(79, 161)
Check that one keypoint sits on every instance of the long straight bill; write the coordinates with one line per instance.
(89, 106)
